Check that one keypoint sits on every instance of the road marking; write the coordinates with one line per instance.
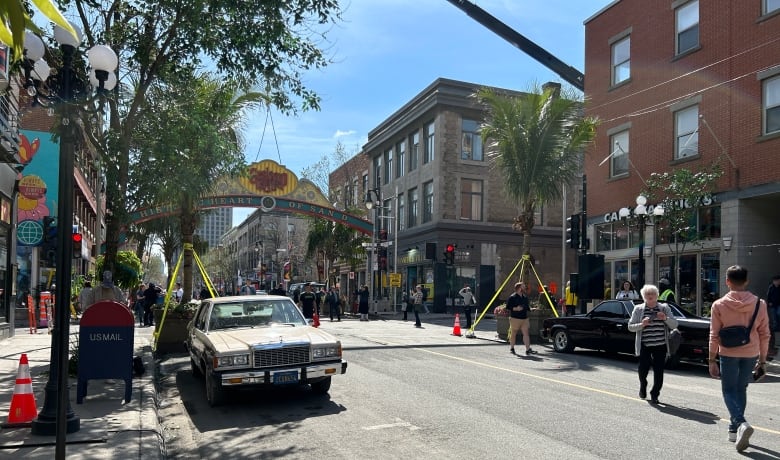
(399, 424)
(561, 382)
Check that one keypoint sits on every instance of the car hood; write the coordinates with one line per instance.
(243, 338)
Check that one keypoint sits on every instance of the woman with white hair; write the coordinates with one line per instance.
(652, 322)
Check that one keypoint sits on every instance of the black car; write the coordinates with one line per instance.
(606, 328)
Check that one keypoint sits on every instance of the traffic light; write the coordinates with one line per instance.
(449, 254)
(49, 240)
(382, 258)
(77, 245)
(573, 231)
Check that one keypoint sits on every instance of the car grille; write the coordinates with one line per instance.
(284, 356)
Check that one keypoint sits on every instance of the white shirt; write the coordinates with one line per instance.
(626, 295)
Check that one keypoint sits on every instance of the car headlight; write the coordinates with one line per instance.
(232, 360)
(328, 351)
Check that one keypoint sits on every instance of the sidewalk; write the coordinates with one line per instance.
(108, 428)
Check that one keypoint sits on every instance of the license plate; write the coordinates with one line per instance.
(285, 378)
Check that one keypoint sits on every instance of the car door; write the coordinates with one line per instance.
(195, 336)
(610, 322)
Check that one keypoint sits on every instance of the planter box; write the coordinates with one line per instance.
(171, 338)
(502, 327)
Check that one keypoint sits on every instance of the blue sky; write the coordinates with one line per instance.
(384, 52)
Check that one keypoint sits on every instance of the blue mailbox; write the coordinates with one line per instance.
(106, 339)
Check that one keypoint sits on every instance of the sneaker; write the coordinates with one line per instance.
(732, 436)
(744, 432)
(512, 350)
(642, 393)
(530, 352)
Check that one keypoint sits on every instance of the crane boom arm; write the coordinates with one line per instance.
(573, 76)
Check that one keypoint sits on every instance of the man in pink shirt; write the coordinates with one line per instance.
(737, 364)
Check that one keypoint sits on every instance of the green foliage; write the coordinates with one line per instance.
(127, 272)
(536, 140)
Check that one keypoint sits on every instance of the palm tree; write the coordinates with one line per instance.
(536, 140)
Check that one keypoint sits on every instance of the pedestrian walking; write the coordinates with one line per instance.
(149, 299)
(307, 302)
(363, 303)
(739, 363)
(417, 302)
(652, 322)
(773, 303)
(571, 301)
(334, 304)
(519, 306)
(469, 301)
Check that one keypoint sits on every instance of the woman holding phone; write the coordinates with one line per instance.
(652, 322)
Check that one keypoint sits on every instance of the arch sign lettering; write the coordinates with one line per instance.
(271, 187)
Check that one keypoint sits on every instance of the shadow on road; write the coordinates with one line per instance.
(707, 418)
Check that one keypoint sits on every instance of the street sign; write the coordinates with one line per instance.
(395, 280)
(351, 275)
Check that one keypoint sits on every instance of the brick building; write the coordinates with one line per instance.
(437, 187)
(683, 84)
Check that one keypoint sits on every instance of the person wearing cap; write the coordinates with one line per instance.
(468, 301)
(667, 294)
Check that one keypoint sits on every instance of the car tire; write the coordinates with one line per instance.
(195, 369)
(215, 394)
(562, 341)
(321, 387)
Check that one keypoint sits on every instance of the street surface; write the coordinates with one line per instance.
(422, 393)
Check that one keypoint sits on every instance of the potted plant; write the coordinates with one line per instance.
(172, 331)
(502, 321)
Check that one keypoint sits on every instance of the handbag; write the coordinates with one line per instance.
(675, 339)
(736, 336)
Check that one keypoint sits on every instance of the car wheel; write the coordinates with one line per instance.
(562, 341)
(215, 394)
(195, 369)
(321, 387)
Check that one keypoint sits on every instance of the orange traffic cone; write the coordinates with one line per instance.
(456, 328)
(316, 319)
(44, 319)
(23, 409)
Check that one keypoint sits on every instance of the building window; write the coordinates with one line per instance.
(388, 165)
(603, 237)
(428, 202)
(430, 131)
(355, 193)
(377, 172)
(771, 6)
(687, 21)
(401, 210)
(365, 183)
(619, 160)
(412, 220)
(400, 148)
(621, 60)
(472, 141)
(471, 199)
(686, 130)
(414, 150)
(772, 104)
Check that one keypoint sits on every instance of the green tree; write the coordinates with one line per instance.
(682, 193)
(194, 137)
(127, 272)
(536, 140)
(267, 44)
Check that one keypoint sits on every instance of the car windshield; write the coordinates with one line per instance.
(254, 313)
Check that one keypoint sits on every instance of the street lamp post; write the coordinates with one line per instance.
(375, 204)
(641, 213)
(66, 92)
(260, 251)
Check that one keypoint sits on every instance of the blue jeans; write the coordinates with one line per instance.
(774, 318)
(735, 374)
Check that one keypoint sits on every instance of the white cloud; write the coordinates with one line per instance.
(340, 133)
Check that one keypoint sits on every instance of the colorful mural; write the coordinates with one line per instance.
(37, 186)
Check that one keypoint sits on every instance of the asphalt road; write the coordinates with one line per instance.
(423, 393)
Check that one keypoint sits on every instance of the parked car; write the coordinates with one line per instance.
(255, 341)
(315, 287)
(606, 328)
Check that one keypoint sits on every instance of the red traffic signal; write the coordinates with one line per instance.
(449, 254)
(77, 245)
(450, 248)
